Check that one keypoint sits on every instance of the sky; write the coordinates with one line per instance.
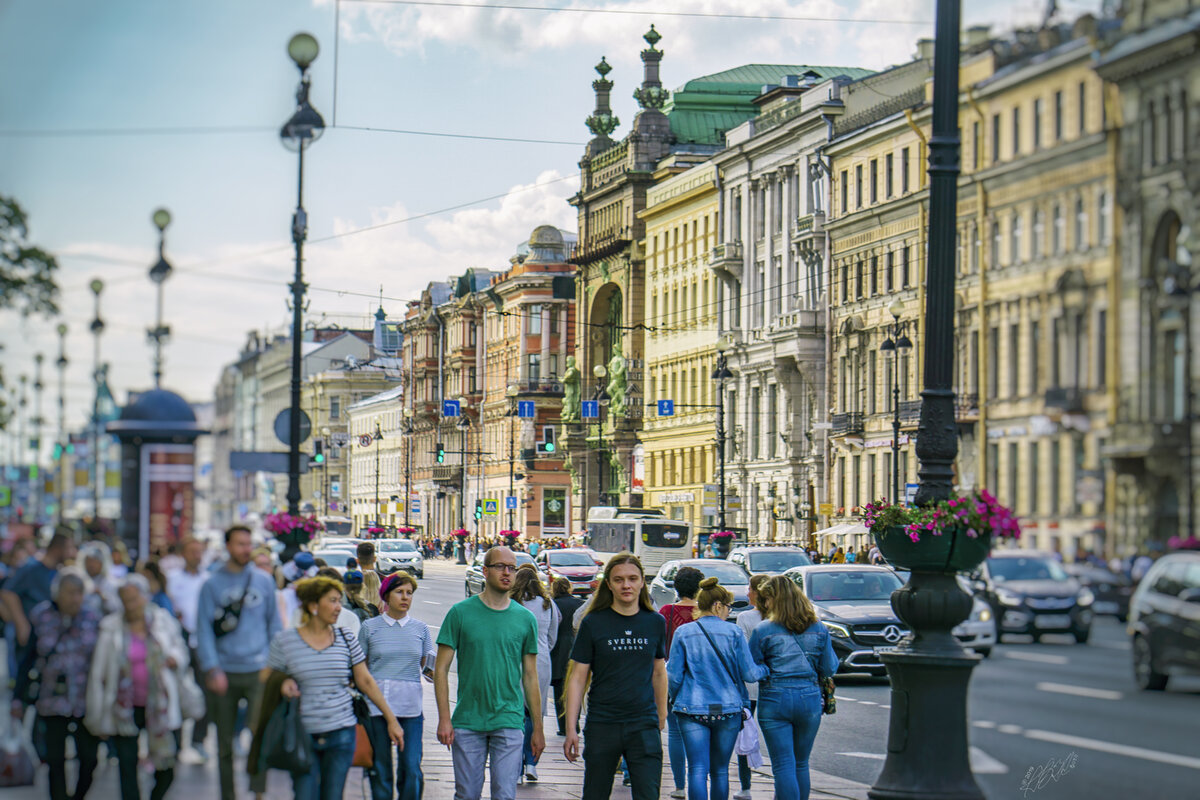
(111, 110)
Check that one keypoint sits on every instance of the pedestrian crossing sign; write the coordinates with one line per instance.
(491, 508)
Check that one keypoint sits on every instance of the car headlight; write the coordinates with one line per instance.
(1085, 597)
(1009, 598)
(840, 631)
(981, 612)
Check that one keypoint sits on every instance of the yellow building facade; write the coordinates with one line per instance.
(680, 345)
(1036, 261)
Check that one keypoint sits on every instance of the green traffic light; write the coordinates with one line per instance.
(33, 472)
(70, 449)
(58, 451)
(319, 458)
(549, 447)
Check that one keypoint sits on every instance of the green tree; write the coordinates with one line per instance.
(26, 271)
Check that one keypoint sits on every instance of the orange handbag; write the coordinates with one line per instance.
(364, 754)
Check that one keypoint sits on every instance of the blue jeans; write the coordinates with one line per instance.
(334, 751)
(709, 745)
(407, 776)
(527, 743)
(676, 751)
(789, 717)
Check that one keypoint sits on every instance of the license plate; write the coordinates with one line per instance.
(1052, 621)
(1104, 607)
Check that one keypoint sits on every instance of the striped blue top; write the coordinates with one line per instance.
(396, 651)
(323, 676)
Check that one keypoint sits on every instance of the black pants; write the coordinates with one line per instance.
(200, 728)
(605, 743)
(57, 730)
(127, 764)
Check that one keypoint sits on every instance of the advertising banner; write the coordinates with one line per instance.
(167, 497)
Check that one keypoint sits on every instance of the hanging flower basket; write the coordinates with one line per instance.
(405, 531)
(510, 537)
(292, 531)
(721, 541)
(952, 536)
(375, 531)
(461, 533)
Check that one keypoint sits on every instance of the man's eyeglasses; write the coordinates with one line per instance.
(501, 567)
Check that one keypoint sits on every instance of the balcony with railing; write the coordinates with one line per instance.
(535, 386)
(910, 413)
(727, 258)
(966, 407)
(447, 473)
(849, 423)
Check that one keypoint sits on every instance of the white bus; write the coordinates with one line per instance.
(645, 532)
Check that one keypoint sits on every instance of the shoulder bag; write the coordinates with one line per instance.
(227, 620)
(364, 753)
(828, 701)
(285, 743)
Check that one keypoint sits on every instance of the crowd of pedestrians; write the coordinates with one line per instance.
(108, 657)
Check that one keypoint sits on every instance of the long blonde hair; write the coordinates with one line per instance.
(370, 589)
(527, 585)
(787, 605)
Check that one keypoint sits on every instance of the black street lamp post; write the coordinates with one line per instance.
(378, 437)
(304, 128)
(464, 424)
(721, 374)
(929, 670)
(158, 275)
(897, 344)
(97, 328)
(61, 363)
(408, 445)
(601, 401)
(1177, 290)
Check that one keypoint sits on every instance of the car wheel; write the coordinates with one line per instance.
(1143, 667)
(986, 652)
(1082, 636)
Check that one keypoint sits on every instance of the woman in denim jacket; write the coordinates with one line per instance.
(795, 646)
(707, 671)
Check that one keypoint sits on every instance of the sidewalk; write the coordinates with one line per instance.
(559, 778)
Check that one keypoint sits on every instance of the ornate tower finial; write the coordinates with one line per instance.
(651, 95)
(602, 122)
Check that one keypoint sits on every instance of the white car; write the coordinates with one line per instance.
(978, 632)
(397, 554)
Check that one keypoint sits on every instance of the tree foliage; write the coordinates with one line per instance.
(26, 271)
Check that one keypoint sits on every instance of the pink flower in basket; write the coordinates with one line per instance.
(404, 531)
(721, 536)
(461, 533)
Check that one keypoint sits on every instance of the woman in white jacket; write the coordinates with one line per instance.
(527, 589)
(133, 686)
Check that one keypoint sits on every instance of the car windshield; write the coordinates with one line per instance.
(776, 561)
(851, 585)
(397, 545)
(728, 574)
(334, 558)
(569, 560)
(1026, 569)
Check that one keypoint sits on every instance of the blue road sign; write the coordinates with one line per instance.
(590, 409)
(416, 505)
(491, 507)
(510, 503)
(451, 408)
(525, 408)
(666, 408)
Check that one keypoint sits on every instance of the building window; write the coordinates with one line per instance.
(1016, 132)
(1037, 123)
(904, 170)
(995, 138)
(335, 408)
(1055, 478)
(772, 421)
(976, 145)
(1014, 360)
(905, 278)
(471, 385)
(535, 319)
(872, 387)
(755, 422)
(534, 361)
(874, 180)
(1058, 116)
(845, 191)
(736, 229)
(1039, 235)
(1035, 457)
(1081, 224)
(1101, 349)
(891, 271)
(888, 181)
(1105, 217)
(993, 345)
(976, 249)
(996, 260)
(859, 282)
(1013, 472)
(1035, 334)
(993, 466)
(1060, 230)
(874, 274)
(1056, 340)
(1015, 235)
(858, 186)
(1082, 108)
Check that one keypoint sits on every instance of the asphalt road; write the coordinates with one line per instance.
(1036, 709)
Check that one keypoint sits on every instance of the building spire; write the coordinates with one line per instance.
(651, 95)
(380, 314)
(602, 122)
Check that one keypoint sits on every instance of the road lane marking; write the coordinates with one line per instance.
(876, 756)
(1013, 729)
(1043, 658)
(867, 703)
(844, 699)
(1079, 691)
(889, 708)
(984, 723)
(431, 602)
(982, 763)
(1173, 759)
(1113, 645)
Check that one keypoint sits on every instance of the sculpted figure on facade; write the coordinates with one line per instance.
(570, 403)
(617, 378)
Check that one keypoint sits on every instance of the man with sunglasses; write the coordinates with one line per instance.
(495, 642)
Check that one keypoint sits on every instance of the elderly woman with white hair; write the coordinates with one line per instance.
(54, 678)
(134, 685)
(96, 558)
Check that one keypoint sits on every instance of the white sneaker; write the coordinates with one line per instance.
(531, 774)
(745, 795)
(678, 794)
(189, 756)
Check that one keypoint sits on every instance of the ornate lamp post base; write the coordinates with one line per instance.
(929, 674)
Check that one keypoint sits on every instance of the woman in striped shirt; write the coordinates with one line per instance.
(320, 662)
(398, 649)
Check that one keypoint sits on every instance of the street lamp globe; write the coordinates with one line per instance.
(62, 329)
(161, 218)
(599, 371)
(97, 286)
(303, 49)
(724, 343)
(896, 308)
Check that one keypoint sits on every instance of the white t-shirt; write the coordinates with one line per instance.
(184, 590)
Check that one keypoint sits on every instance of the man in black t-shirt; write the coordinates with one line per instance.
(622, 646)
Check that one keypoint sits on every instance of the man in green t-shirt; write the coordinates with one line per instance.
(495, 641)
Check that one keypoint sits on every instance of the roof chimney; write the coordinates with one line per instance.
(925, 49)
(977, 36)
